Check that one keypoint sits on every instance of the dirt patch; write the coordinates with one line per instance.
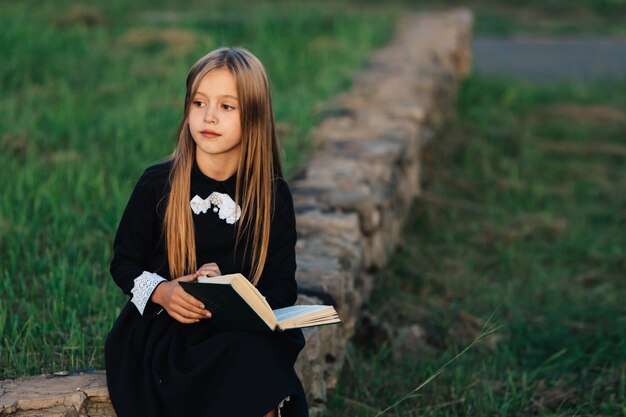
(553, 398)
(323, 44)
(16, 145)
(81, 15)
(584, 149)
(589, 113)
(177, 41)
(526, 226)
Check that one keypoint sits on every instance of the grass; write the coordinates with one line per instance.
(92, 94)
(550, 18)
(540, 17)
(522, 217)
(521, 214)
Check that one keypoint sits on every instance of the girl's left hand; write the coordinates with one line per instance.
(210, 270)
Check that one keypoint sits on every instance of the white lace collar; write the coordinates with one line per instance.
(222, 204)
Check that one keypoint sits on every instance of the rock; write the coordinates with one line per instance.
(315, 222)
(330, 267)
(79, 395)
(409, 344)
(373, 332)
(310, 367)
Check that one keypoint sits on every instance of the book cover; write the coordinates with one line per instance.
(229, 310)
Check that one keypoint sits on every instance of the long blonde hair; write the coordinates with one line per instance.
(258, 166)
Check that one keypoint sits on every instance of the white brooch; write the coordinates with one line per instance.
(222, 203)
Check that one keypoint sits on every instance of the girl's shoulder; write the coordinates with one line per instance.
(153, 184)
(281, 187)
(282, 193)
(156, 175)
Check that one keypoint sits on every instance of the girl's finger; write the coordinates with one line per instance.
(183, 320)
(210, 272)
(188, 278)
(210, 269)
(193, 305)
(195, 312)
(187, 314)
(183, 297)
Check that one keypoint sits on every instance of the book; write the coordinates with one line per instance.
(235, 304)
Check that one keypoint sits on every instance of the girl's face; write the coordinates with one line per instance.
(214, 120)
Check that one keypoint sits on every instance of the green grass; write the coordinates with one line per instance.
(91, 95)
(541, 17)
(507, 221)
(522, 217)
(550, 18)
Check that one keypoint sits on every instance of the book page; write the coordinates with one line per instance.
(221, 279)
(296, 311)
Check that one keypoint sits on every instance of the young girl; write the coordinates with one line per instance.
(217, 206)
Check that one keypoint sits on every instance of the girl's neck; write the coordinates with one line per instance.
(219, 169)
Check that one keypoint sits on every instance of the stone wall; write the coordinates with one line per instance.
(351, 202)
(356, 192)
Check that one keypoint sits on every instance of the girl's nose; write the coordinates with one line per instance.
(210, 115)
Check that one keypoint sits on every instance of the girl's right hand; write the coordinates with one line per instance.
(179, 304)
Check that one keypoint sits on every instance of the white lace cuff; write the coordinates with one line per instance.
(143, 289)
(282, 403)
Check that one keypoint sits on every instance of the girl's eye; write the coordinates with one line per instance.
(198, 103)
(227, 107)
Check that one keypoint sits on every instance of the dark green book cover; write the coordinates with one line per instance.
(229, 311)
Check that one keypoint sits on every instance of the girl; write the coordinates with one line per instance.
(217, 206)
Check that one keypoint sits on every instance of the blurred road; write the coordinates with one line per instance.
(550, 59)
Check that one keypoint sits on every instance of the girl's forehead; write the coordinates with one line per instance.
(218, 82)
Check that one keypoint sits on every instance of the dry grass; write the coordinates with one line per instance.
(81, 15)
(177, 42)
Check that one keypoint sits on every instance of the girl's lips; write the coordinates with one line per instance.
(209, 133)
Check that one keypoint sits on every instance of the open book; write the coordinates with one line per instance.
(237, 305)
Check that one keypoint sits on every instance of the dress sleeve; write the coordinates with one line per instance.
(278, 281)
(135, 241)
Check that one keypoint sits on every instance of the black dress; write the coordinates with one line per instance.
(157, 366)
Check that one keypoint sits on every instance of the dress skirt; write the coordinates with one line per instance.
(158, 367)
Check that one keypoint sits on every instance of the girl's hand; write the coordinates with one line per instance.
(180, 305)
(210, 270)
